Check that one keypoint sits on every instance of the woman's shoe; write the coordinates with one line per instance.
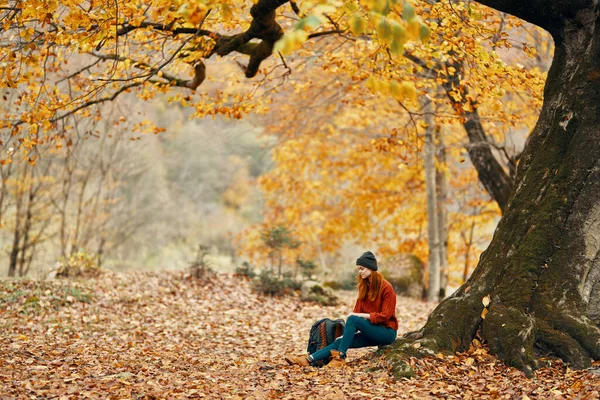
(297, 360)
(336, 360)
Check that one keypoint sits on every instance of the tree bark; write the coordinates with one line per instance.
(542, 268)
(433, 289)
(441, 184)
(468, 245)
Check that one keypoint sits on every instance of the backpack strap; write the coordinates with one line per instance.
(323, 336)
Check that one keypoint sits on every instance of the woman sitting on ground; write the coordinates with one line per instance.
(373, 321)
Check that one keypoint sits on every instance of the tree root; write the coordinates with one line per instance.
(511, 336)
(564, 346)
(518, 337)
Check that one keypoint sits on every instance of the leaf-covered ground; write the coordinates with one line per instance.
(162, 335)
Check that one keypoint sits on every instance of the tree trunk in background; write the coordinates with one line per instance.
(13, 258)
(25, 243)
(542, 268)
(14, 253)
(441, 184)
(433, 289)
(5, 172)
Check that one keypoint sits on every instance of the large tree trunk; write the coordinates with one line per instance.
(542, 268)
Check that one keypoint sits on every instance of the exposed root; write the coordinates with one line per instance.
(511, 335)
(520, 339)
(582, 329)
(564, 346)
(517, 337)
(405, 348)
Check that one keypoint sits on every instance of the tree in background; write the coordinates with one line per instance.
(277, 240)
(28, 197)
(59, 202)
(132, 201)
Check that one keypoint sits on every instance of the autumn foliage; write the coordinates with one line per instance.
(355, 164)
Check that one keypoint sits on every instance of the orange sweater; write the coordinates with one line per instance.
(383, 309)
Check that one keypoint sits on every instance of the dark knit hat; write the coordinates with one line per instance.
(367, 260)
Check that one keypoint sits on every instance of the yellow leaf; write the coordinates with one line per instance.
(226, 12)
(283, 45)
(382, 87)
(381, 6)
(484, 313)
(399, 33)
(384, 31)
(371, 84)
(397, 47)
(414, 29)
(424, 33)
(357, 24)
(409, 90)
(486, 301)
(396, 90)
(408, 11)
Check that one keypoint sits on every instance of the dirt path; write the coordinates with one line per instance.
(159, 335)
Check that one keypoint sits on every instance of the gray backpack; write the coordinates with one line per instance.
(322, 334)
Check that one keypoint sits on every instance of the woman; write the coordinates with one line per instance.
(373, 321)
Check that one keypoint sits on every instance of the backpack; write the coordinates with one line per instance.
(322, 334)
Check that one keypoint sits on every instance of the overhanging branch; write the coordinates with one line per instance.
(547, 14)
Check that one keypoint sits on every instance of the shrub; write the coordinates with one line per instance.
(200, 266)
(79, 265)
(246, 269)
(270, 285)
(312, 291)
(292, 284)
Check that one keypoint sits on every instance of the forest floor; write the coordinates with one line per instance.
(164, 335)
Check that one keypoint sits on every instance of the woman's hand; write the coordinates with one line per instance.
(361, 315)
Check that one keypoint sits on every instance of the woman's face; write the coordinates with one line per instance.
(363, 272)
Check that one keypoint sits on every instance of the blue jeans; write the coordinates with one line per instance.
(369, 335)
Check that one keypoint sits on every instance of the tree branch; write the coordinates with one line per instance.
(490, 172)
(166, 28)
(143, 66)
(97, 101)
(546, 14)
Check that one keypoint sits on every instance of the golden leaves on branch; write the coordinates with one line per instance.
(399, 91)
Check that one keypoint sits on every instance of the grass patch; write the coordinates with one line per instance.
(11, 297)
(77, 294)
